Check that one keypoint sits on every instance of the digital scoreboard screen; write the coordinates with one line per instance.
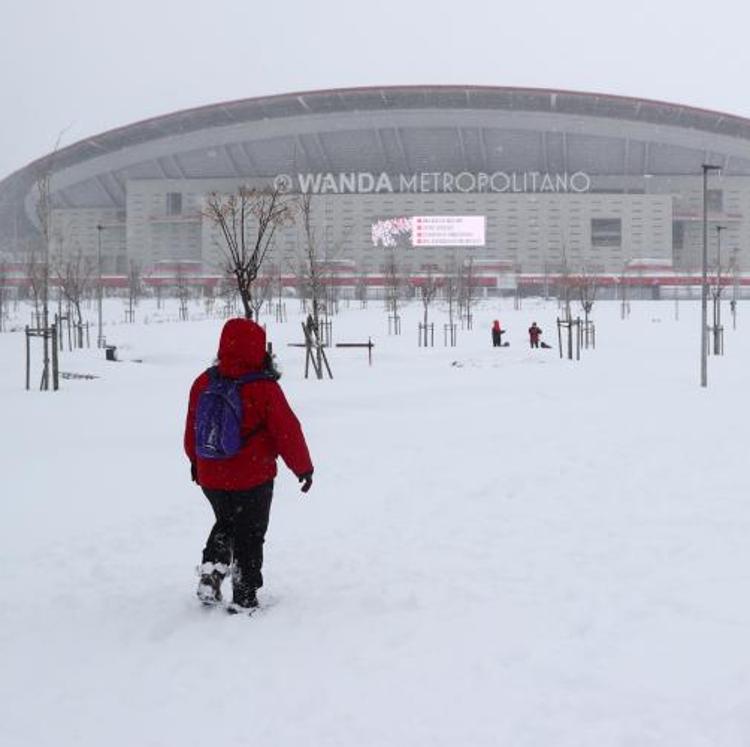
(430, 230)
(447, 230)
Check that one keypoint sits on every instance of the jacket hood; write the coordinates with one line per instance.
(242, 348)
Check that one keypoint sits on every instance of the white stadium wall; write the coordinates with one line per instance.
(591, 181)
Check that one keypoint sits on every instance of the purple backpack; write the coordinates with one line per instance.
(218, 420)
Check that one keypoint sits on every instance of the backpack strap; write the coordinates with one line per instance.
(248, 378)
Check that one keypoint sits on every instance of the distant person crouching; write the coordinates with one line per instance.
(534, 334)
(497, 334)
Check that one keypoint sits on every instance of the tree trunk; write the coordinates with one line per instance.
(246, 303)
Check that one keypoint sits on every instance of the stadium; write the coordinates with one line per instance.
(527, 183)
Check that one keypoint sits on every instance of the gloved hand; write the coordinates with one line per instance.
(194, 472)
(306, 481)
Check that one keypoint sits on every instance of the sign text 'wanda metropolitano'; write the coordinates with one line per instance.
(365, 182)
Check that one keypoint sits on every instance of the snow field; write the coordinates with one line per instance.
(500, 547)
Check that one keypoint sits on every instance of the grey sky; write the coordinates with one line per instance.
(91, 65)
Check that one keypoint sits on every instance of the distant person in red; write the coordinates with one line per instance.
(239, 487)
(534, 334)
(497, 333)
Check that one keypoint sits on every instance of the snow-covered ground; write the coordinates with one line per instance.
(500, 547)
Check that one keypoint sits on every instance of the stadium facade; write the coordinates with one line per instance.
(521, 180)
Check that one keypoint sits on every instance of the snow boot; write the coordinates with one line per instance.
(245, 604)
(209, 586)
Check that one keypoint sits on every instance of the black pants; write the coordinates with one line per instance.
(237, 536)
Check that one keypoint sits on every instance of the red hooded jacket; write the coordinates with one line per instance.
(268, 423)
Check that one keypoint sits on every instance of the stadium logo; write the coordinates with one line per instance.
(365, 182)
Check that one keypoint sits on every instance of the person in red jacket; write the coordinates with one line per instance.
(534, 333)
(240, 487)
(497, 334)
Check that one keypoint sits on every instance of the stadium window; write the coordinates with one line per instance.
(174, 203)
(715, 200)
(606, 232)
(678, 234)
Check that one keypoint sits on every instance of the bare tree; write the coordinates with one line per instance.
(4, 272)
(468, 290)
(428, 289)
(135, 289)
(262, 293)
(278, 277)
(35, 271)
(625, 304)
(273, 277)
(394, 282)
(318, 264)
(360, 290)
(296, 269)
(564, 286)
(277, 288)
(247, 221)
(331, 290)
(209, 297)
(43, 207)
(227, 291)
(451, 290)
(587, 289)
(312, 271)
(42, 264)
(183, 290)
(74, 273)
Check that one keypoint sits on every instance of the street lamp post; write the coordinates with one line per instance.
(717, 297)
(735, 283)
(704, 277)
(99, 335)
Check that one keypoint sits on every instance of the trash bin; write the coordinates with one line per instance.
(110, 352)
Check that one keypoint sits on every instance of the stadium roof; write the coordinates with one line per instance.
(402, 129)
